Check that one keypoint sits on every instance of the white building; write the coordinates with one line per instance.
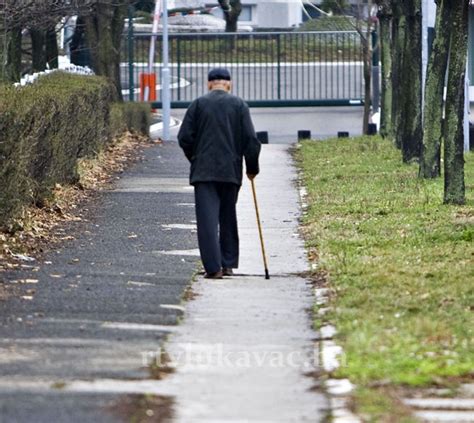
(268, 13)
(284, 14)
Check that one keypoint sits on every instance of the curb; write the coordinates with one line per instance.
(338, 391)
(158, 127)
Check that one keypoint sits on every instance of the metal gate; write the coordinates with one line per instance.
(268, 68)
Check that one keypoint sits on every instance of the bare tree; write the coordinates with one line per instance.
(232, 10)
(104, 24)
(453, 131)
(365, 28)
(406, 77)
(434, 91)
(40, 18)
(385, 15)
(364, 24)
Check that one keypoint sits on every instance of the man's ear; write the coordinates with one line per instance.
(229, 86)
(209, 85)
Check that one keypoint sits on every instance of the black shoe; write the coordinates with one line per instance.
(227, 271)
(215, 275)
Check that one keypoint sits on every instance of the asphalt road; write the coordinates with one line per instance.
(297, 81)
(108, 297)
(282, 124)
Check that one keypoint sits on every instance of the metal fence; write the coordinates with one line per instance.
(268, 68)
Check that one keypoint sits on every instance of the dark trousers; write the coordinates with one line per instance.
(216, 217)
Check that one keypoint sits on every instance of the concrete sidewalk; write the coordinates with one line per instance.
(245, 349)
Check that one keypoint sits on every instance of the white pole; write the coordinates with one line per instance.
(467, 112)
(151, 56)
(165, 77)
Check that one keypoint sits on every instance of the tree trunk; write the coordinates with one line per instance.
(367, 53)
(51, 48)
(232, 17)
(38, 56)
(80, 54)
(409, 129)
(398, 37)
(3, 50)
(365, 33)
(385, 20)
(453, 131)
(13, 60)
(434, 92)
(104, 30)
(232, 10)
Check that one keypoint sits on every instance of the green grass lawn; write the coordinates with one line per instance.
(400, 264)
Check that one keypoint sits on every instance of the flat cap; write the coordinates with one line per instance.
(218, 74)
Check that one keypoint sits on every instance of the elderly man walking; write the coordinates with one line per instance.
(216, 135)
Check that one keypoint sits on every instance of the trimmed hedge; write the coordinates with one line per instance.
(47, 126)
(135, 117)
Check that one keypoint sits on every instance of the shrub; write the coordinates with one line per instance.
(329, 23)
(143, 17)
(134, 117)
(47, 126)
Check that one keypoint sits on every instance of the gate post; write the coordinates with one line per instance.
(131, 46)
(178, 57)
(278, 67)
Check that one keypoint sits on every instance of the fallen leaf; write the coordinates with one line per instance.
(23, 257)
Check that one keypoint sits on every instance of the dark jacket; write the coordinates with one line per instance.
(215, 135)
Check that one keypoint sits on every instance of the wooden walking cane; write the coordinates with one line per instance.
(267, 275)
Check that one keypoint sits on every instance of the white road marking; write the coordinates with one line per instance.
(137, 326)
(179, 226)
(172, 307)
(192, 253)
(140, 283)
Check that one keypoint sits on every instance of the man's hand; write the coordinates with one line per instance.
(250, 176)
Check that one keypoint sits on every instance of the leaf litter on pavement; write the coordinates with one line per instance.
(39, 229)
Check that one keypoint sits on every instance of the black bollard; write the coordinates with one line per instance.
(343, 134)
(304, 134)
(262, 136)
(372, 129)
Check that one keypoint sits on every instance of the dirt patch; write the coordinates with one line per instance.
(384, 404)
(448, 387)
(189, 294)
(6, 291)
(160, 367)
(143, 408)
